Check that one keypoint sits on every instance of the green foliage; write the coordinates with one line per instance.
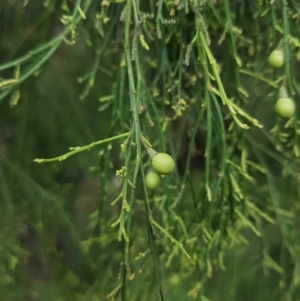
(112, 79)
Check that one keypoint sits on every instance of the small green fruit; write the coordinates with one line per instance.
(163, 163)
(276, 58)
(152, 180)
(285, 107)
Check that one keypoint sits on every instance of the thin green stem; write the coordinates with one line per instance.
(262, 78)
(150, 234)
(134, 108)
(286, 46)
(173, 240)
(31, 70)
(79, 149)
(208, 141)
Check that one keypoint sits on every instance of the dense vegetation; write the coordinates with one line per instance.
(91, 89)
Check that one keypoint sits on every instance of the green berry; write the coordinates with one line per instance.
(276, 58)
(285, 107)
(152, 180)
(163, 163)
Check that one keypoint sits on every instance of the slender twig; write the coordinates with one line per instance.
(79, 149)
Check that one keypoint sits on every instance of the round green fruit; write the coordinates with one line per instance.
(276, 58)
(285, 107)
(152, 180)
(163, 163)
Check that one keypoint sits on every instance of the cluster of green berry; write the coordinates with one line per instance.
(284, 106)
(162, 164)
